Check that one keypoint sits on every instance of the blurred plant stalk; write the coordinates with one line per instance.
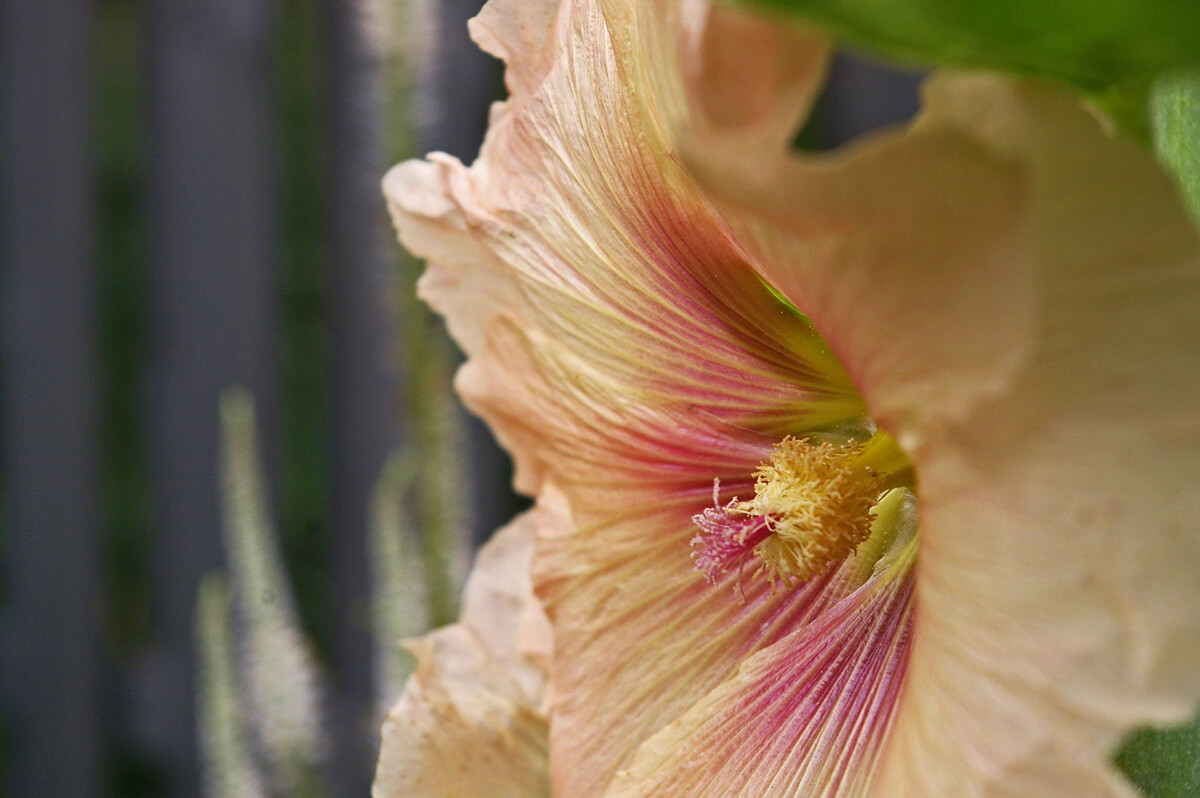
(264, 723)
(277, 672)
(229, 770)
(260, 687)
(429, 478)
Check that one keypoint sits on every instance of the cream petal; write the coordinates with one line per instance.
(1080, 481)
(751, 78)
(1057, 611)
(466, 281)
(518, 32)
(499, 607)
(468, 722)
(928, 325)
(1014, 291)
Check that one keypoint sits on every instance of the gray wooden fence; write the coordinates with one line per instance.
(76, 712)
(50, 667)
(84, 715)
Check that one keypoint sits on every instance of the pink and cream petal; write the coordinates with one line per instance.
(1056, 438)
(469, 720)
(906, 254)
(605, 245)
(642, 637)
(609, 443)
(809, 714)
(639, 635)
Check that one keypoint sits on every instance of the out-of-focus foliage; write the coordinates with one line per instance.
(401, 602)
(1175, 112)
(303, 466)
(260, 689)
(436, 476)
(123, 326)
(420, 521)
(229, 766)
(1163, 763)
(278, 672)
(1090, 44)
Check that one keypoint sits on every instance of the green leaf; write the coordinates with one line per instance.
(1091, 43)
(1175, 114)
(1163, 763)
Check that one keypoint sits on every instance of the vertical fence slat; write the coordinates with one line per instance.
(211, 255)
(363, 390)
(49, 397)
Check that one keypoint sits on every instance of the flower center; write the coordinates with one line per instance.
(812, 506)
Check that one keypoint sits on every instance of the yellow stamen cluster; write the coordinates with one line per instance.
(817, 499)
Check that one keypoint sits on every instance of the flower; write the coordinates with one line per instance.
(943, 385)
(477, 682)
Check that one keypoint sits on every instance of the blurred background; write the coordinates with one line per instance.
(189, 202)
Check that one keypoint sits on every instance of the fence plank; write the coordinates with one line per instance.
(211, 254)
(49, 397)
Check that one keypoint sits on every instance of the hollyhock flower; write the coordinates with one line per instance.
(864, 473)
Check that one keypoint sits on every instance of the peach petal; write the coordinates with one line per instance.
(1038, 360)
(469, 721)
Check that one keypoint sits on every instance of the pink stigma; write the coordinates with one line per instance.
(726, 537)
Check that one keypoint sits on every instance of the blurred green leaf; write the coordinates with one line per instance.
(1163, 763)
(1175, 114)
(1091, 44)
